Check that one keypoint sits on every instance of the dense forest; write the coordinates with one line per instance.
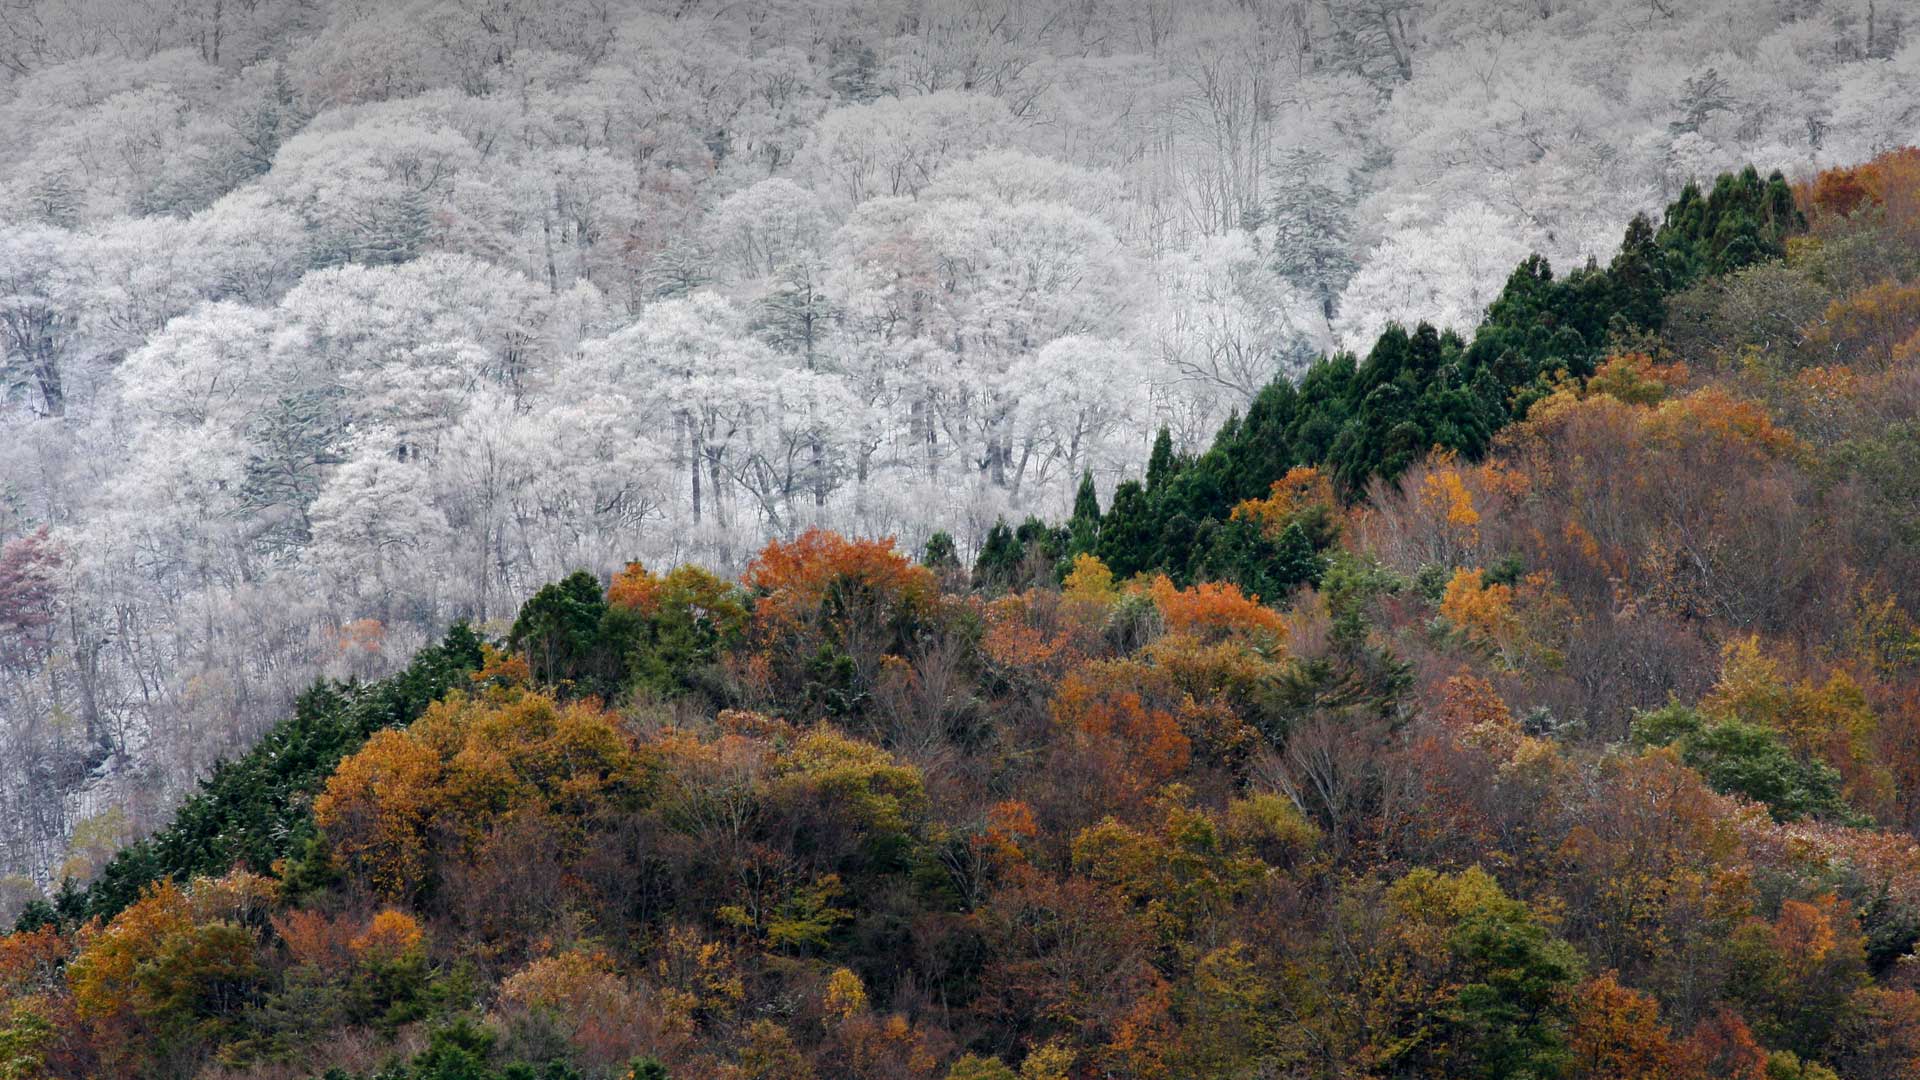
(1542, 703)
(327, 324)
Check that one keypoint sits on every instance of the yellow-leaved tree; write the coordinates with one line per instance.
(414, 800)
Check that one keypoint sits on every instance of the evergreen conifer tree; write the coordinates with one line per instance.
(1162, 464)
(1127, 533)
(1083, 529)
(940, 552)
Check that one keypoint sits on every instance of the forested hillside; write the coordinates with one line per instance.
(328, 323)
(1577, 737)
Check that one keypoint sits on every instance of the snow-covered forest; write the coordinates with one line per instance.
(328, 322)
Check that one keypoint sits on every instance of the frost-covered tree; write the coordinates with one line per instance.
(894, 146)
(316, 313)
(1444, 273)
(758, 230)
(375, 526)
(40, 309)
(1229, 321)
(1312, 227)
(1069, 425)
(710, 384)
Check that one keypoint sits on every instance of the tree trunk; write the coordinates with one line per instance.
(46, 370)
(684, 428)
(819, 474)
(547, 214)
(715, 481)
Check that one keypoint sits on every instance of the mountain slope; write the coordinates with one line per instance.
(1592, 757)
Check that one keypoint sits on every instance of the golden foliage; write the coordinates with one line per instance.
(581, 994)
(174, 964)
(846, 995)
(1303, 488)
(1828, 721)
(1436, 514)
(1444, 493)
(1089, 580)
(1637, 379)
(1522, 625)
(1473, 711)
(1483, 611)
(432, 791)
(1874, 326)
(702, 978)
(101, 976)
(877, 790)
(1048, 1061)
(1617, 1035)
(390, 936)
(1713, 414)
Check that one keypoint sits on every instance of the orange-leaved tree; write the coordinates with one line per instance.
(673, 628)
(1302, 490)
(1212, 610)
(828, 609)
(171, 973)
(1119, 710)
(1617, 1035)
(413, 800)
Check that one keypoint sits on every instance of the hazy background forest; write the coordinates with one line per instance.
(328, 323)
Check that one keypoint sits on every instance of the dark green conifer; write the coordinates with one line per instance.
(559, 630)
(1127, 533)
(1161, 463)
(1083, 528)
(999, 558)
(940, 552)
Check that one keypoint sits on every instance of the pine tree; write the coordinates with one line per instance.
(1700, 98)
(1037, 538)
(401, 229)
(793, 315)
(293, 444)
(1312, 228)
(1743, 221)
(1086, 500)
(260, 130)
(678, 270)
(646, 1068)
(1173, 548)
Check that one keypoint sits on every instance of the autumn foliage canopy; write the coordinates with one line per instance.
(1579, 742)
